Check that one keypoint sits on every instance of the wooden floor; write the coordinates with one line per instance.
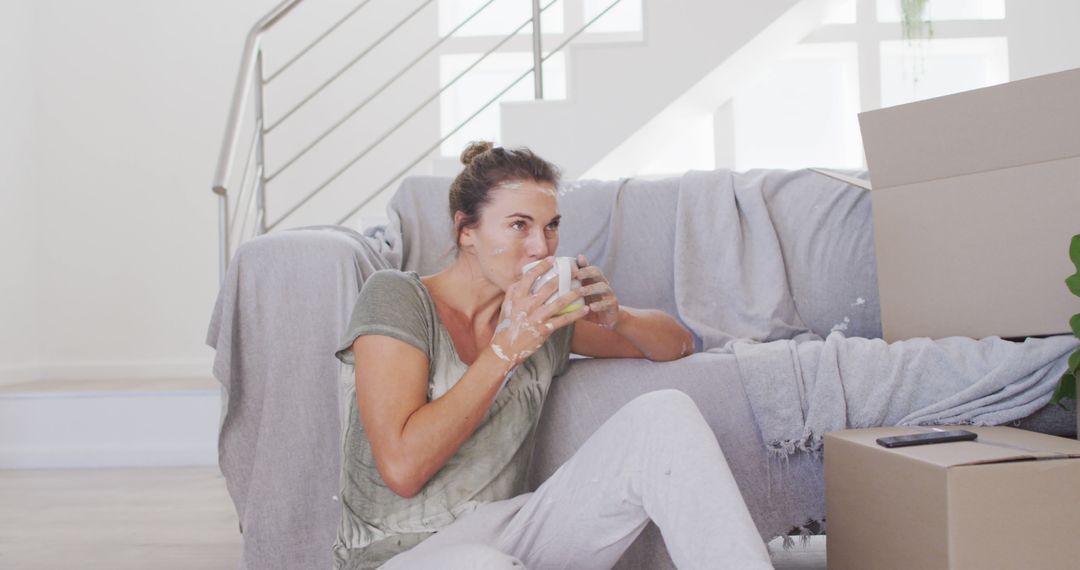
(116, 519)
(175, 518)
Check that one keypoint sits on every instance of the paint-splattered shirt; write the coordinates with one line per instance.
(492, 465)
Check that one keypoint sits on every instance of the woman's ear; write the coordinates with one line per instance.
(464, 233)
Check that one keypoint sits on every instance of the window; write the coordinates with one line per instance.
(842, 13)
(497, 19)
(485, 81)
(492, 75)
(912, 71)
(801, 112)
(625, 16)
(944, 10)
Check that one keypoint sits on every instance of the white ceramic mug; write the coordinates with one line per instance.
(562, 270)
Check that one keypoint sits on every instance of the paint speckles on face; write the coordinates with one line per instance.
(858, 301)
(531, 187)
(544, 190)
(569, 187)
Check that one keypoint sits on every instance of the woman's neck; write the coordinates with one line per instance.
(463, 289)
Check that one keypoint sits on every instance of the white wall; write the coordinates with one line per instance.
(18, 205)
(129, 100)
(112, 116)
(1044, 36)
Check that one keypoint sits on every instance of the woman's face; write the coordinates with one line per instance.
(519, 225)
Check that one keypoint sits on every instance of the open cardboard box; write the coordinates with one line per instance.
(975, 198)
(1010, 499)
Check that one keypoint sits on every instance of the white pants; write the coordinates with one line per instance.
(654, 459)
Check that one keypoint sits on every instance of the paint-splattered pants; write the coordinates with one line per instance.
(654, 459)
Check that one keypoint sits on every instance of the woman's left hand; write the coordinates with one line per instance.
(598, 294)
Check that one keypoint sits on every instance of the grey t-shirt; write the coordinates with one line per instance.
(492, 465)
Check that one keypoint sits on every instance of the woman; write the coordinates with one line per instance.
(451, 374)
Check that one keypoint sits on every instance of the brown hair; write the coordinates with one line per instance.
(487, 166)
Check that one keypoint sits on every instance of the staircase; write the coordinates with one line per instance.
(693, 129)
(614, 90)
(627, 100)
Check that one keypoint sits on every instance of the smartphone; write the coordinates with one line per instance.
(926, 438)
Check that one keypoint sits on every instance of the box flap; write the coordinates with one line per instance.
(864, 184)
(995, 445)
(951, 136)
(1017, 444)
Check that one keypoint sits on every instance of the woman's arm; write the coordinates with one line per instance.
(410, 437)
(637, 333)
(613, 331)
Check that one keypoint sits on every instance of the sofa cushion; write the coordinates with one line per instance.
(827, 239)
(824, 227)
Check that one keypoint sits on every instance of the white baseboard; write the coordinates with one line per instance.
(108, 370)
(109, 429)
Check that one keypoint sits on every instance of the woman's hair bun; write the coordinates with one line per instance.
(475, 149)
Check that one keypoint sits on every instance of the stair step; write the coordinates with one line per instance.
(159, 422)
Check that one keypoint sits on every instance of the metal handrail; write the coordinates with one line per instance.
(354, 61)
(538, 85)
(250, 81)
(248, 62)
(316, 41)
(247, 167)
(462, 124)
(243, 89)
(377, 92)
(400, 123)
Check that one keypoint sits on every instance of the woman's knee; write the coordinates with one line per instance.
(663, 404)
(667, 414)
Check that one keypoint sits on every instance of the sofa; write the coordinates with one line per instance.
(287, 297)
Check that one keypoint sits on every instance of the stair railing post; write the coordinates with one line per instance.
(223, 235)
(260, 151)
(538, 56)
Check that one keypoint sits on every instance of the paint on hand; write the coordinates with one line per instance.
(841, 326)
(499, 352)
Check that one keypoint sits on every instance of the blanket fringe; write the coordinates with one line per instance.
(784, 448)
(805, 531)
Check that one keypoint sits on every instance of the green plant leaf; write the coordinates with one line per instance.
(1074, 251)
(1073, 281)
(1074, 362)
(1074, 322)
(1066, 389)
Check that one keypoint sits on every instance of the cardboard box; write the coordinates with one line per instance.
(1009, 500)
(975, 198)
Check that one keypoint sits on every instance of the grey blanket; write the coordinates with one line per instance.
(282, 306)
(765, 264)
(732, 288)
(800, 390)
(730, 279)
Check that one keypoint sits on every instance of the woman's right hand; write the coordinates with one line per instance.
(526, 322)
